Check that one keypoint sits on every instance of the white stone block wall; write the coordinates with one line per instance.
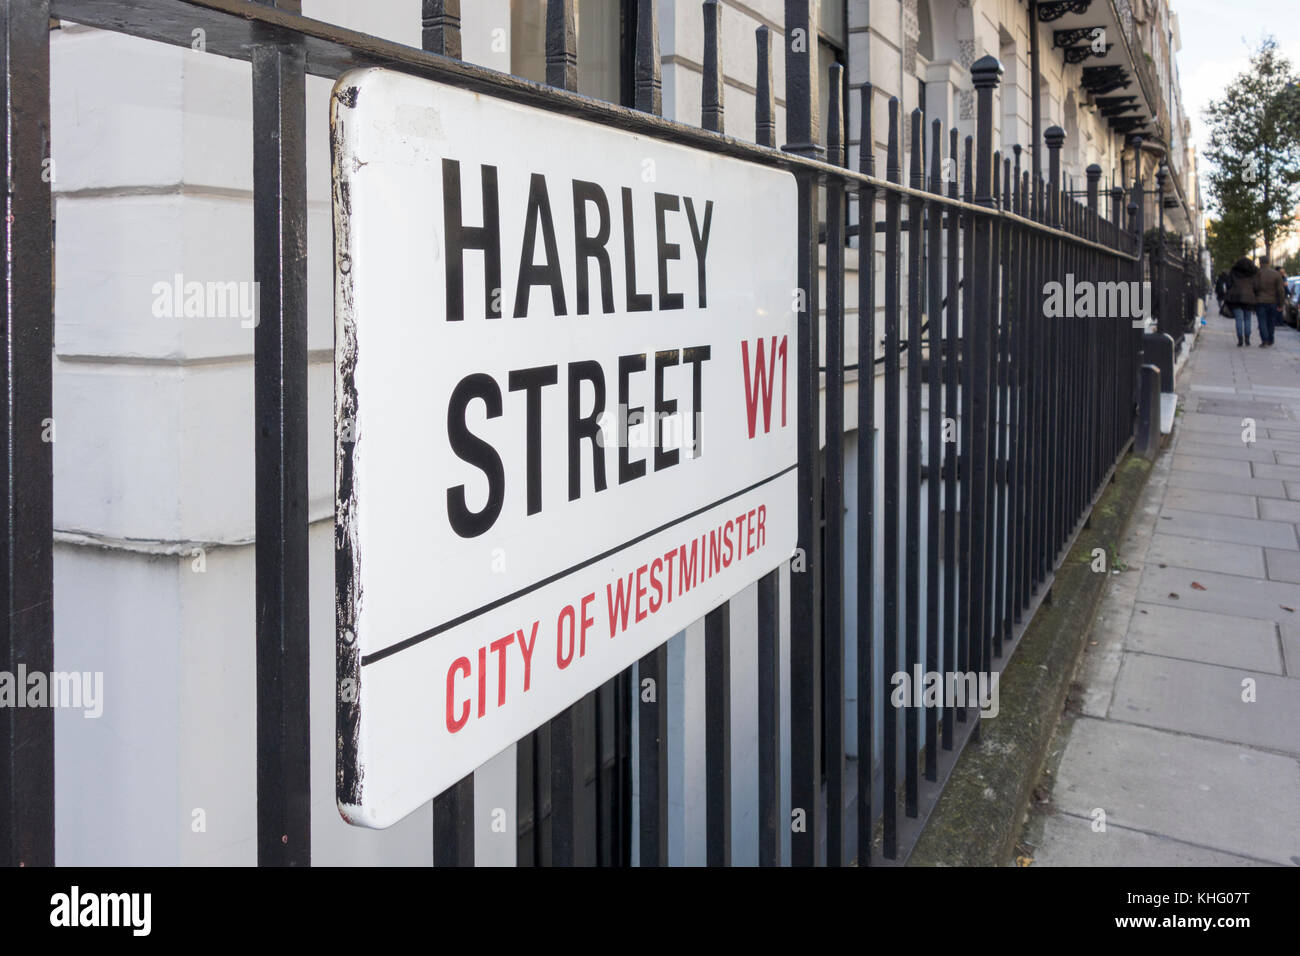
(154, 451)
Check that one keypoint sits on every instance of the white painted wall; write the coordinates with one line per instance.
(154, 453)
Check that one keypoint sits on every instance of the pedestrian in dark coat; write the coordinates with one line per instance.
(1242, 297)
(1221, 286)
(1270, 293)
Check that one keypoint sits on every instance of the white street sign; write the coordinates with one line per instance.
(508, 281)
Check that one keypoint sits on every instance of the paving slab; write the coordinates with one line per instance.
(1277, 509)
(1232, 439)
(1286, 391)
(1211, 502)
(1222, 594)
(1204, 792)
(1195, 524)
(1071, 841)
(1193, 423)
(1204, 636)
(1099, 666)
(1206, 700)
(1262, 469)
(1221, 466)
(1283, 565)
(1205, 554)
(1238, 452)
(1233, 484)
(1240, 408)
(1291, 649)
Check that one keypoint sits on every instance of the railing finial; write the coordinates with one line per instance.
(764, 104)
(711, 98)
(646, 80)
(440, 27)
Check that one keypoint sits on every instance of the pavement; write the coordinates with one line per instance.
(1180, 744)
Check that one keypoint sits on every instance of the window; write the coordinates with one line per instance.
(606, 29)
(925, 42)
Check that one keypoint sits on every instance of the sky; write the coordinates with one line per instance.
(1218, 37)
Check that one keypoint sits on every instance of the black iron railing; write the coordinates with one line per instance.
(1043, 408)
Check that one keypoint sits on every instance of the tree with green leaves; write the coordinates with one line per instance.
(1228, 239)
(1254, 154)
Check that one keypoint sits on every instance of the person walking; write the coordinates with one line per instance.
(1270, 293)
(1221, 286)
(1242, 298)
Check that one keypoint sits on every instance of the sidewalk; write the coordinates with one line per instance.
(1204, 609)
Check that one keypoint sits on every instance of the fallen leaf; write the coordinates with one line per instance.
(1024, 861)
(1285, 608)
(1198, 586)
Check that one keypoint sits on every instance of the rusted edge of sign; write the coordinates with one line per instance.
(349, 776)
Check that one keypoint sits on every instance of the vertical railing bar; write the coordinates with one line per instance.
(453, 810)
(891, 503)
(912, 462)
(1044, 394)
(717, 624)
(26, 560)
(652, 669)
(453, 824)
(717, 735)
(1016, 264)
(801, 124)
(965, 661)
(563, 733)
(624, 696)
(602, 702)
(1001, 433)
(833, 502)
(1020, 377)
(990, 339)
(866, 531)
(984, 74)
(1011, 300)
(568, 729)
(280, 452)
(951, 451)
(933, 445)
(769, 720)
(769, 656)
(1055, 138)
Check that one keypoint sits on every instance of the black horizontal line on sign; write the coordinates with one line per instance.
(469, 615)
